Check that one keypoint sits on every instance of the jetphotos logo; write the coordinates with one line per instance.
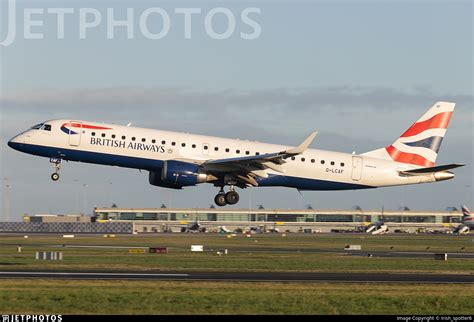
(151, 23)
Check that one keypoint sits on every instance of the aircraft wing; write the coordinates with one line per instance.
(257, 164)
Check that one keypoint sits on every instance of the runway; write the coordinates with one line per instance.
(251, 277)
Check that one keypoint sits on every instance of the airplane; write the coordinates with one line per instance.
(197, 227)
(467, 222)
(177, 160)
(193, 227)
(376, 228)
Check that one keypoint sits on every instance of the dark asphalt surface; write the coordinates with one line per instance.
(250, 276)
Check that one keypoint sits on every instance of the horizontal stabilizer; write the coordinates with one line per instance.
(432, 169)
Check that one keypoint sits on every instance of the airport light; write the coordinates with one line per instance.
(7, 199)
(109, 194)
(469, 196)
(84, 199)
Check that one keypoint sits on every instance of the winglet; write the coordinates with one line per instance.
(303, 146)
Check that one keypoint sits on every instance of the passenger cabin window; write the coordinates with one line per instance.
(293, 158)
(103, 135)
(113, 136)
(194, 146)
(143, 140)
(123, 137)
(342, 164)
(257, 153)
(313, 160)
(153, 141)
(206, 147)
(216, 149)
(247, 152)
(47, 127)
(173, 143)
(163, 142)
(183, 144)
(93, 133)
(133, 138)
(227, 150)
(237, 151)
(322, 162)
(332, 162)
(303, 159)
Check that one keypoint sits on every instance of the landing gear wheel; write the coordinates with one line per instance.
(55, 176)
(220, 200)
(232, 197)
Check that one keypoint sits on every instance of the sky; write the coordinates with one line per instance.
(358, 72)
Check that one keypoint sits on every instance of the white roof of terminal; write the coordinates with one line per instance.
(275, 211)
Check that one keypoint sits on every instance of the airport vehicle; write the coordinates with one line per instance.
(467, 222)
(176, 160)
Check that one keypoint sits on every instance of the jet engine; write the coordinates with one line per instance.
(176, 175)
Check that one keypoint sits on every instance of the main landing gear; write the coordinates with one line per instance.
(57, 168)
(229, 198)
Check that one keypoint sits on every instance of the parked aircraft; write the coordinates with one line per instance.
(377, 228)
(193, 227)
(467, 222)
(176, 160)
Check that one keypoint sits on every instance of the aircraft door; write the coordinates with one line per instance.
(356, 168)
(75, 133)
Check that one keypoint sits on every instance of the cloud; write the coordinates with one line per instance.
(197, 100)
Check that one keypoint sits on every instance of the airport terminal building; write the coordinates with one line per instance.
(170, 219)
(156, 220)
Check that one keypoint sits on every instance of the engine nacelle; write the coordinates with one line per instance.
(176, 175)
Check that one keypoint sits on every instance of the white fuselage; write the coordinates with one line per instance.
(147, 149)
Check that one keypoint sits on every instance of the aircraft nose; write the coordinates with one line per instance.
(14, 143)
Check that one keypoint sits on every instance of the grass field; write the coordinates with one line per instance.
(295, 252)
(140, 297)
(259, 253)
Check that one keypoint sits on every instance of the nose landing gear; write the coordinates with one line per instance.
(57, 167)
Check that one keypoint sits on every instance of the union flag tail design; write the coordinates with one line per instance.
(419, 145)
(466, 213)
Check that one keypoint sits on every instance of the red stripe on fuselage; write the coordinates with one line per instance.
(439, 121)
(410, 158)
(86, 126)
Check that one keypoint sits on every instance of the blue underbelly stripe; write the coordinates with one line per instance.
(156, 165)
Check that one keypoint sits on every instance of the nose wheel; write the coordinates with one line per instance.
(229, 198)
(57, 166)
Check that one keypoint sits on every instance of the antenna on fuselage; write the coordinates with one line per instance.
(129, 124)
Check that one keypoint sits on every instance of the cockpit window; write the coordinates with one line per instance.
(37, 126)
(47, 127)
